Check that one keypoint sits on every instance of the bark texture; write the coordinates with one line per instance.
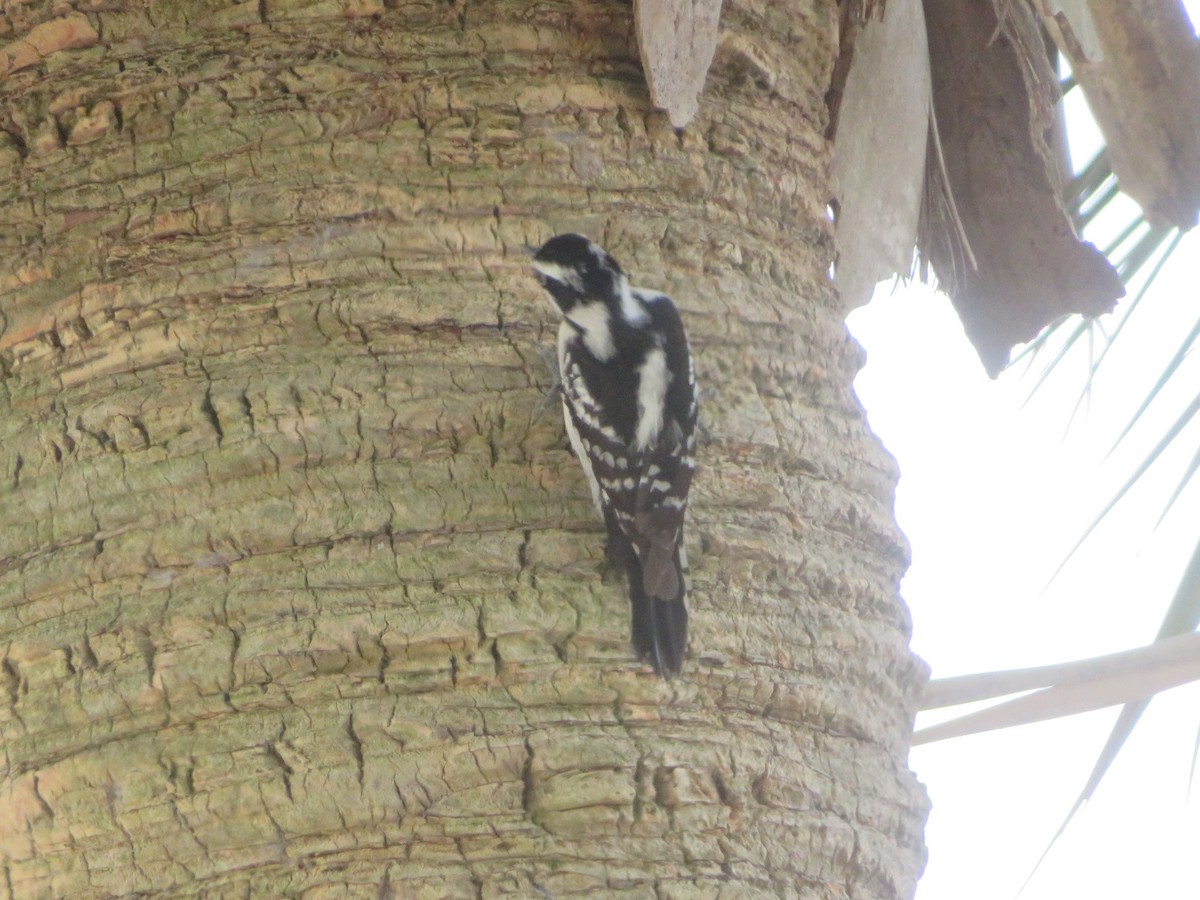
(298, 595)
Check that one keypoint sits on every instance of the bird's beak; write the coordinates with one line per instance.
(530, 250)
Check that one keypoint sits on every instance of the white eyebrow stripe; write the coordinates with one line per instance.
(559, 273)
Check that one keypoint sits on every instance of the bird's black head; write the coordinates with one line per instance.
(573, 269)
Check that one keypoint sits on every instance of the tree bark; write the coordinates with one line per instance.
(298, 592)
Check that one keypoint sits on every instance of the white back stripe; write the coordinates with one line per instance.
(653, 378)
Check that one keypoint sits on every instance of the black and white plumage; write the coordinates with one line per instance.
(629, 403)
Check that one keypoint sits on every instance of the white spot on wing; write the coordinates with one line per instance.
(566, 371)
(577, 446)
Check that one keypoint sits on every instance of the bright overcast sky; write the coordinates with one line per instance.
(992, 496)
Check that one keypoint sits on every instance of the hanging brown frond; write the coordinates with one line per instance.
(994, 98)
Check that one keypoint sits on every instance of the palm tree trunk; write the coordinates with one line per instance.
(298, 592)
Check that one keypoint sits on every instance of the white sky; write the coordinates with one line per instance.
(992, 496)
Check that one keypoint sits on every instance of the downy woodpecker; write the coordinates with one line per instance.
(629, 403)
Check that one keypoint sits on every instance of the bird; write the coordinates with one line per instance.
(630, 411)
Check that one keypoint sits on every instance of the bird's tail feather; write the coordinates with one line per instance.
(659, 624)
(668, 634)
